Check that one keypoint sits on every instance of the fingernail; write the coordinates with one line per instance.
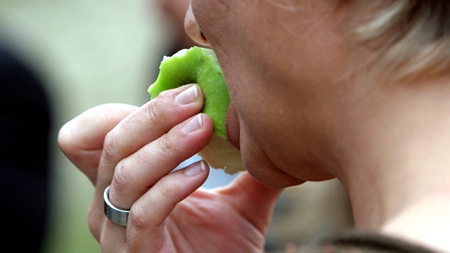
(188, 96)
(195, 169)
(193, 125)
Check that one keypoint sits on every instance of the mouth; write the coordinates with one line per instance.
(232, 126)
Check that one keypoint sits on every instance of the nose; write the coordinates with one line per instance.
(193, 30)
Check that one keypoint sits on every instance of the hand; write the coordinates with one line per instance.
(135, 150)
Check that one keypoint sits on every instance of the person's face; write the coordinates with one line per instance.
(281, 60)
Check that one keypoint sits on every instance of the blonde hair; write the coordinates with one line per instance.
(410, 38)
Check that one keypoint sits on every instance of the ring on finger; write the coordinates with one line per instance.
(114, 214)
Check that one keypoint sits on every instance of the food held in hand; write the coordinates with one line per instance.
(200, 65)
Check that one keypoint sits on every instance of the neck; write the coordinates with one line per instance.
(397, 163)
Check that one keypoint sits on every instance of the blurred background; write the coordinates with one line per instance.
(90, 52)
(84, 53)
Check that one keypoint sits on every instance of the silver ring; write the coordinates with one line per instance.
(114, 214)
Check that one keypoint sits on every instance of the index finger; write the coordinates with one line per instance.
(81, 139)
(150, 122)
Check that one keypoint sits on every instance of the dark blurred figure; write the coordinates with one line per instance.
(25, 122)
(175, 11)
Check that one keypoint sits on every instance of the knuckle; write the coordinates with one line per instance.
(140, 219)
(165, 145)
(164, 190)
(110, 149)
(121, 179)
(157, 110)
(166, 94)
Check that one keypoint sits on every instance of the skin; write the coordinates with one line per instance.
(137, 168)
(300, 113)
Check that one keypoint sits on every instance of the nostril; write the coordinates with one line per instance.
(203, 36)
(193, 30)
(203, 40)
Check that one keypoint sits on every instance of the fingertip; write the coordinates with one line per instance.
(196, 173)
(64, 135)
(198, 123)
(207, 121)
(196, 169)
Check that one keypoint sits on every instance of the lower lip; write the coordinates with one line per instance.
(232, 126)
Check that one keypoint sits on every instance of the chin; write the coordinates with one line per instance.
(274, 179)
